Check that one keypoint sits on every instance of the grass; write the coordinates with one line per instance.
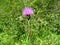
(44, 24)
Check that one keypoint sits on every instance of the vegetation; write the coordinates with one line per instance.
(44, 24)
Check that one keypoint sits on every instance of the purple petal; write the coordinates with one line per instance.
(28, 11)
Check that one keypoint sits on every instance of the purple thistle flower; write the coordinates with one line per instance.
(28, 11)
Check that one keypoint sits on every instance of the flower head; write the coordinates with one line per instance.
(28, 11)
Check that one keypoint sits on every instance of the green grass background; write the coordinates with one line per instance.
(44, 24)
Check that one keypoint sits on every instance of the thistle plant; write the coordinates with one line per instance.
(28, 11)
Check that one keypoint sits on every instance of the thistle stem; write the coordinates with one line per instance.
(29, 32)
